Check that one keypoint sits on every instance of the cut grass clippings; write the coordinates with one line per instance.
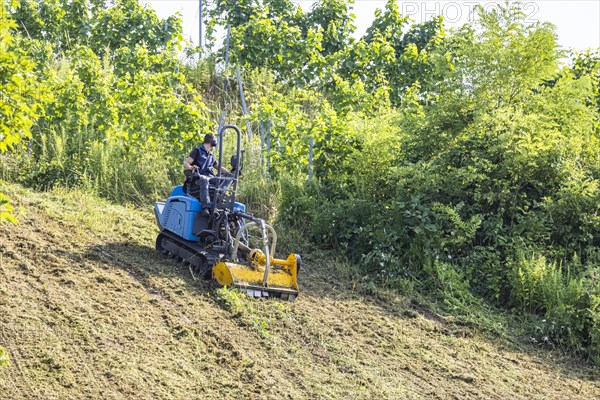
(90, 310)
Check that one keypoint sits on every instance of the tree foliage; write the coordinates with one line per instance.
(482, 174)
(114, 88)
(99, 24)
(315, 49)
(19, 91)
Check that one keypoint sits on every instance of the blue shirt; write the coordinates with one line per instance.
(203, 159)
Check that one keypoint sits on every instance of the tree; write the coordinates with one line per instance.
(272, 34)
(587, 63)
(96, 23)
(19, 94)
(335, 21)
(413, 53)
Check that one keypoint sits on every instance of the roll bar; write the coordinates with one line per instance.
(221, 135)
(238, 150)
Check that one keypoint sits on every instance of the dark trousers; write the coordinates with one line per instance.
(200, 183)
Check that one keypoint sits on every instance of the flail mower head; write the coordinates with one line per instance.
(257, 273)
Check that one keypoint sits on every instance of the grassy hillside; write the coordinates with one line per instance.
(89, 310)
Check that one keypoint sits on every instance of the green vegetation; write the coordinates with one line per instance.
(114, 98)
(240, 305)
(4, 360)
(462, 164)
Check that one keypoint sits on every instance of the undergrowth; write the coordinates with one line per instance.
(4, 359)
(240, 306)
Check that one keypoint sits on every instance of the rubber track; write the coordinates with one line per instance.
(211, 260)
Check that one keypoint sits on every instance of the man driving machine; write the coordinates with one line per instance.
(200, 164)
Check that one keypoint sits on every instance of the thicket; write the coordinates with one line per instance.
(465, 164)
(108, 96)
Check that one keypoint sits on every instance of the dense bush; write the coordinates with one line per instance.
(20, 93)
(503, 163)
(113, 105)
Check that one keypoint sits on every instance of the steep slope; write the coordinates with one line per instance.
(89, 310)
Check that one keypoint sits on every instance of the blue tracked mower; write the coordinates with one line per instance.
(216, 246)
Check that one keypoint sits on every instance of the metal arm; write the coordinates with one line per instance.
(267, 255)
(261, 223)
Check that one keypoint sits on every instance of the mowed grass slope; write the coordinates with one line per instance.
(89, 310)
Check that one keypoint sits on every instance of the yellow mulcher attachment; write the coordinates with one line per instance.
(257, 272)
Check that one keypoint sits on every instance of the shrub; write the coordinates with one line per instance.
(4, 359)
(567, 301)
(448, 191)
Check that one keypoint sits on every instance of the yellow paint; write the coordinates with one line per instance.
(227, 273)
(222, 275)
(259, 259)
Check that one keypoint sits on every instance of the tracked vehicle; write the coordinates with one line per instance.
(217, 246)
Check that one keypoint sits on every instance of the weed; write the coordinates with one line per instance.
(233, 301)
(4, 359)
(6, 210)
(237, 303)
(565, 300)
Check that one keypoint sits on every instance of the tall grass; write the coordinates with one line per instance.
(258, 191)
(568, 302)
(112, 169)
(133, 176)
(540, 286)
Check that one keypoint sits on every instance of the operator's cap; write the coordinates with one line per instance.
(210, 138)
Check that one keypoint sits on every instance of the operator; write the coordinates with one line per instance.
(202, 160)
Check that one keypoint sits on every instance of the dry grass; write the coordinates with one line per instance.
(89, 310)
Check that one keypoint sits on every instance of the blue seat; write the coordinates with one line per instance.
(177, 191)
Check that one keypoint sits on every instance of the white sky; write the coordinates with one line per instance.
(577, 22)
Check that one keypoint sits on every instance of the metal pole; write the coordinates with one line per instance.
(225, 81)
(227, 45)
(200, 18)
(221, 120)
(261, 129)
(310, 159)
(244, 109)
(268, 145)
